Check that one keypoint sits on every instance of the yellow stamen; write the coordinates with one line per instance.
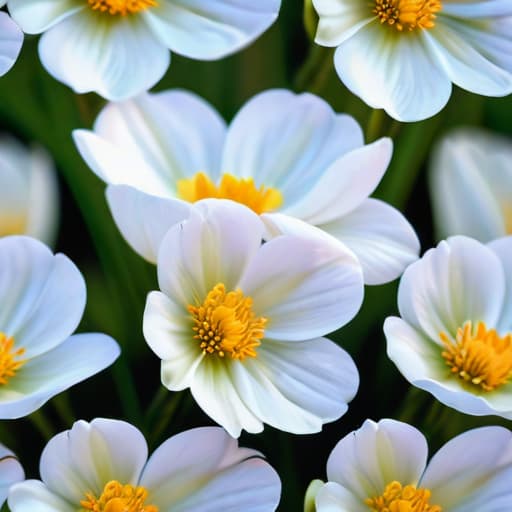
(226, 324)
(241, 190)
(396, 498)
(118, 498)
(483, 359)
(9, 358)
(122, 7)
(407, 14)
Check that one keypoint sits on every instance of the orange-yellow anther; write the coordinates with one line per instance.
(10, 361)
(396, 498)
(408, 14)
(121, 7)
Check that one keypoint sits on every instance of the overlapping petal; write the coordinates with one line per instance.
(11, 39)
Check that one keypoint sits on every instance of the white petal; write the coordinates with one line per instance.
(42, 295)
(89, 455)
(90, 53)
(305, 286)
(11, 472)
(345, 185)
(43, 377)
(472, 472)
(503, 249)
(144, 219)
(381, 238)
(210, 29)
(287, 141)
(36, 16)
(32, 495)
(477, 8)
(333, 497)
(398, 74)
(368, 459)
(11, 38)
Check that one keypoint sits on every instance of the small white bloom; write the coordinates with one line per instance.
(403, 55)
(29, 198)
(287, 156)
(240, 323)
(383, 467)
(454, 339)
(103, 465)
(471, 185)
(119, 48)
(11, 39)
(43, 299)
(11, 472)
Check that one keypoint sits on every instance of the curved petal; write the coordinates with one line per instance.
(368, 459)
(11, 472)
(345, 184)
(144, 219)
(210, 30)
(33, 495)
(305, 286)
(381, 238)
(332, 497)
(11, 39)
(477, 8)
(86, 457)
(503, 249)
(472, 471)
(287, 141)
(42, 295)
(398, 74)
(89, 53)
(43, 377)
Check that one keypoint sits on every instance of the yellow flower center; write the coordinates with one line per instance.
(12, 225)
(118, 498)
(122, 7)
(241, 190)
(482, 358)
(226, 324)
(10, 361)
(407, 14)
(396, 498)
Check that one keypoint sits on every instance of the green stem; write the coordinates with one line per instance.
(42, 424)
(315, 71)
(127, 391)
(374, 126)
(63, 407)
(167, 414)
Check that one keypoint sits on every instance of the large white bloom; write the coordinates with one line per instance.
(11, 472)
(383, 467)
(285, 154)
(471, 185)
(455, 335)
(43, 298)
(11, 39)
(103, 465)
(119, 48)
(240, 323)
(28, 192)
(403, 55)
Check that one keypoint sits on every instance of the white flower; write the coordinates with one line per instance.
(43, 298)
(285, 154)
(471, 185)
(454, 339)
(403, 55)
(119, 48)
(240, 322)
(28, 192)
(11, 39)
(11, 472)
(103, 465)
(383, 467)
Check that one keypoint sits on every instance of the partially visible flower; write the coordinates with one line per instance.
(11, 472)
(454, 339)
(403, 55)
(29, 197)
(382, 467)
(120, 48)
(471, 185)
(240, 323)
(42, 299)
(287, 156)
(11, 39)
(103, 466)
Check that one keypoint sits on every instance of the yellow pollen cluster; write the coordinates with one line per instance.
(242, 190)
(122, 7)
(482, 358)
(118, 498)
(407, 14)
(10, 361)
(226, 324)
(396, 498)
